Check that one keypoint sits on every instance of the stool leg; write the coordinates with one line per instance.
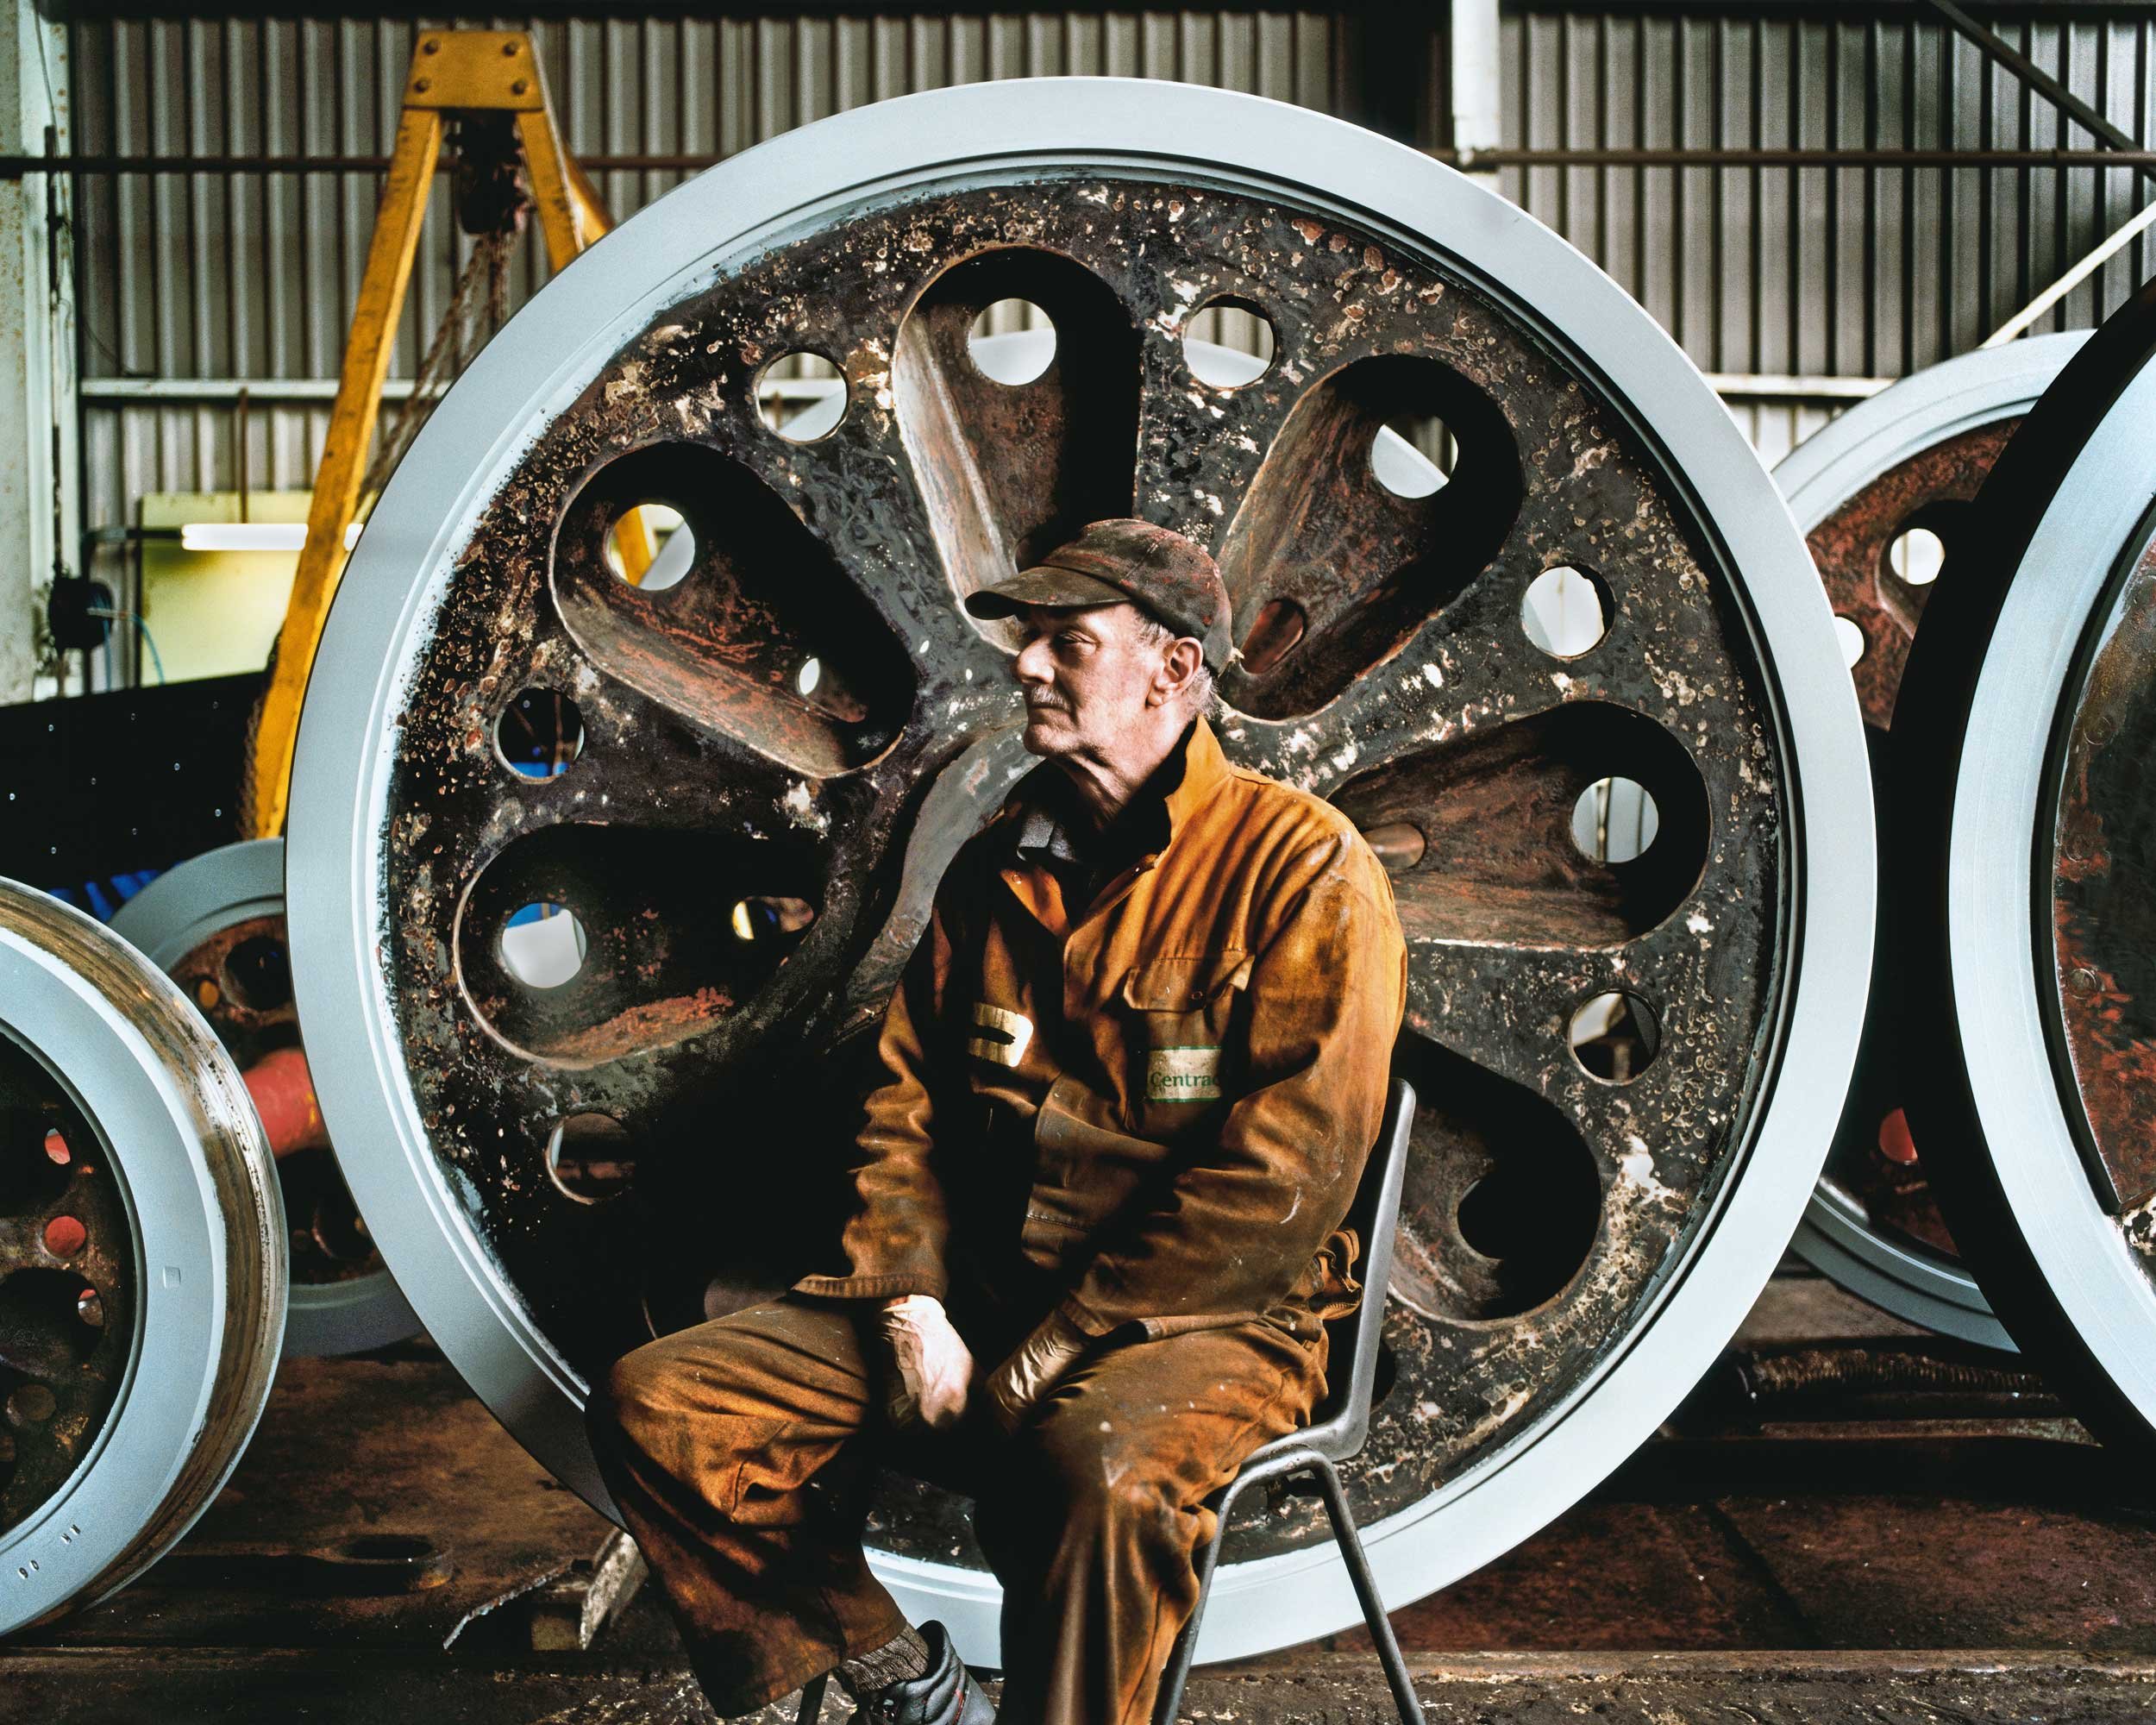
(813, 1700)
(1358, 1568)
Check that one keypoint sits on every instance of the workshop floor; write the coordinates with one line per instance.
(1822, 1553)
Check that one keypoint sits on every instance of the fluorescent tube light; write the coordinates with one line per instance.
(251, 535)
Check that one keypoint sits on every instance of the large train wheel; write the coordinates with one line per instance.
(141, 1261)
(216, 925)
(2024, 855)
(1632, 852)
(1883, 496)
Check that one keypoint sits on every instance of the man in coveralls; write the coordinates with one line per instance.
(1127, 1086)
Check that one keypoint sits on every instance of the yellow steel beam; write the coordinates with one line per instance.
(367, 356)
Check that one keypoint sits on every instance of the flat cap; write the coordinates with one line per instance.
(1155, 568)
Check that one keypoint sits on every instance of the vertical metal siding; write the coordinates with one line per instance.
(1862, 273)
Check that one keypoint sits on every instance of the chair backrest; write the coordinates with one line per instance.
(1352, 1367)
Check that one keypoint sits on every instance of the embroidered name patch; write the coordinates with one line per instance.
(1009, 1034)
(1182, 1075)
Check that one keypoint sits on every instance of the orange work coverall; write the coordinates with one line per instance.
(1149, 1112)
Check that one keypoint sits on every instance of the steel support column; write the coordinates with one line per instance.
(1473, 58)
(37, 380)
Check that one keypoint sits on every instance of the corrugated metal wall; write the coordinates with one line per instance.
(190, 283)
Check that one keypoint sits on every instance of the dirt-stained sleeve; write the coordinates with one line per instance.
(894, 1241)
(1236, 1228)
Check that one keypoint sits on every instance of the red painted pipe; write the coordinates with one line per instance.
(284, 1094)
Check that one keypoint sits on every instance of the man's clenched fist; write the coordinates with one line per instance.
(934, 1366)
(1034, 1369)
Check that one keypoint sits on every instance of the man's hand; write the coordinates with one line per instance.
(934, 1366)
(1034, 1368)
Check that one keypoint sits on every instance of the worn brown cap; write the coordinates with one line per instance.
(1157, 570)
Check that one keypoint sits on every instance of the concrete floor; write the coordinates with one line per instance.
(386, 1551)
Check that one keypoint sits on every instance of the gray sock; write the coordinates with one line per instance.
(904, 1656)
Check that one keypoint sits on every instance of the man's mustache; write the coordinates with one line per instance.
(1044, 700)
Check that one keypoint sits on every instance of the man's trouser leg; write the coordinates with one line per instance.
(1095, 1525)
(730, 1449)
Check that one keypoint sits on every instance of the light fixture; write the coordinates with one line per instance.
(251, 535)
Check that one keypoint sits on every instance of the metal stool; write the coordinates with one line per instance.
(1336, 1435)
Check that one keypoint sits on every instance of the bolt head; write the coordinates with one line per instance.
(422, 84)
(518, 87)
(430, 45)
(509, 49)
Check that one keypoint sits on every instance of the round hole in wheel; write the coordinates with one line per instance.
(543, 944)
(34, 1160)
(539, 733)
(258, 973)
(590, 1158)
(89, 1309)
(1615, 1037)
(1851, 635)
(1565, 612)
(1010, 364)
(30, 1404)
(1412, 456)
(1228, 343)
(1916, 554)
(1411, 697)
(650, 546)
(802, 397)
(1615, 820)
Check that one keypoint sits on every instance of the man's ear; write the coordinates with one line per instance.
(1178, 670)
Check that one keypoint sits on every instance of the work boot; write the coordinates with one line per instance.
(945, 1695)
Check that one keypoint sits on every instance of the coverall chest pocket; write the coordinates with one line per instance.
(1182, 1031)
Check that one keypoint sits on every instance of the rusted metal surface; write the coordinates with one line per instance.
(67, 1258)
(240, 979)
(717, 769)
(1852, 545)
(2103, 903)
